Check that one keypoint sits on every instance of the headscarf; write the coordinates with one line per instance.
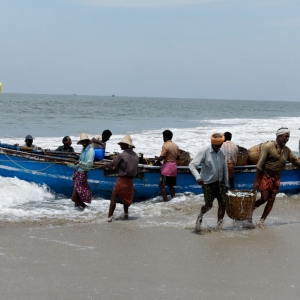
(282, 131)
(217, 138)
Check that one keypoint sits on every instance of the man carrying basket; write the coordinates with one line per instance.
(213, 177)
(272, 161)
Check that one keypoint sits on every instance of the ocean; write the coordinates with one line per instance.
(50, 117)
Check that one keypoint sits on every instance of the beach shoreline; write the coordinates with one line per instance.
(117, 261)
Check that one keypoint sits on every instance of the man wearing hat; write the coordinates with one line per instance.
(272, 161)
(213, 177)
(28, 141)
(127, 164)
(82, 192)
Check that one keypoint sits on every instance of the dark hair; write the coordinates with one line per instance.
(107, 132)
(228, 136)
(65, 138)
(168, 134)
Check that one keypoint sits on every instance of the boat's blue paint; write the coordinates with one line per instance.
(58, 178)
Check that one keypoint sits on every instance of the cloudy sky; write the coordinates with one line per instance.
(218, 49)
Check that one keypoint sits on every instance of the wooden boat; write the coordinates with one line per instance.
(48, 168)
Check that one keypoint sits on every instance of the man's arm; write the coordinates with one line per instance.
(194, 164)
(294, 160)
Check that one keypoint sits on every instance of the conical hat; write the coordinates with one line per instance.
(83, 136)
(127, 140)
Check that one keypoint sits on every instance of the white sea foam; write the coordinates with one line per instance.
(246, 133)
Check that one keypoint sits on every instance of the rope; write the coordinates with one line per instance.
(23, 167)
(1, 151)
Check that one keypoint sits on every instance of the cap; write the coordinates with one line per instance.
(29, 137)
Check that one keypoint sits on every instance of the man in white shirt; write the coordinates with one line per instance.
(213, 177)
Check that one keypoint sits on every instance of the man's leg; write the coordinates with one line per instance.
(76, 199)
(163, 188)
(113, 202)
(172, 190)
(125, 211)
(269, 206)
(264, 197)
(221, 210)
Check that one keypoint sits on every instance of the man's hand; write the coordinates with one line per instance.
(255, 185)
(200, 181)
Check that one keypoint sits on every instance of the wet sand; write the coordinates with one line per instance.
(122, 260)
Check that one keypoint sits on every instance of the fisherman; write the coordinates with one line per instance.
(213, 177)
(272, 161)
(82, 192)
(231, 151)
(29, 141)
(100, 141)
(127, 164)
(67, 142)
(169, 154)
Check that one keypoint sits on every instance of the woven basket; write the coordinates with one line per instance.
(184, 159)
(242, 156)
(240, 207)
(254, 154)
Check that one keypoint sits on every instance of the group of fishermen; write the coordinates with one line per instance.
(217, 161)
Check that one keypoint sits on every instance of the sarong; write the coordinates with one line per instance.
(169, 169)
(214, 190)
(269, 183)
(124, 189)
(230, 170)
(82, 187)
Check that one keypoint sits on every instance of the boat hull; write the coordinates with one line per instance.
(58, 178)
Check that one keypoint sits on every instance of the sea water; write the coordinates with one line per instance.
(48, 118)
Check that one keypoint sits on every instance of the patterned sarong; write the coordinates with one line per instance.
(82, 187)
(124, 189)
(214, 190)
(269, 183)
(169, 168)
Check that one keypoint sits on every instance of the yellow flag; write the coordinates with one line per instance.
(0, 87)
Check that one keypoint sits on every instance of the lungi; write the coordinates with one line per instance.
(82, 187)
(124, 189)
(214, 190)
(269, 183)
(168, 173)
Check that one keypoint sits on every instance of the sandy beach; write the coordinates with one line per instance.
(123, 260)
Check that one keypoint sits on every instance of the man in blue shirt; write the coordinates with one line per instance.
(213, 177)
(82, 191)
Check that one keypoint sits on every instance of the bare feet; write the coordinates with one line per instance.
(125, 217)
(261, 224)
(219, 225)
(109, 219)
(198, 223)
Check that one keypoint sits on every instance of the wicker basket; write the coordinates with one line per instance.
(254, 154)
(242, 156)
(184, 159)
(240, 207)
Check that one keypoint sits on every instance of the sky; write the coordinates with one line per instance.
(212, 49)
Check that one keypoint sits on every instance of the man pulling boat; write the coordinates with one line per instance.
(272, 161)
(82, 192)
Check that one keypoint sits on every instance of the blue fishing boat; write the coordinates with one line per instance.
(49, 169)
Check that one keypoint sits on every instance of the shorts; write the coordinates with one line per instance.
(214, 190)
(167, 180)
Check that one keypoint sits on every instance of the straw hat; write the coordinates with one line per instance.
(83, 136)
(127, 140)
